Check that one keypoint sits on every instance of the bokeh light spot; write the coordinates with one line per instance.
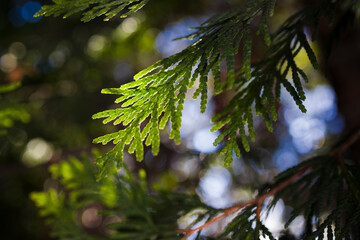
(215, 185)
(57, 58)
(8, 62)
(37, 152)
(306, 133)
(129, 25)
(285, 159)
(297, 226)
(18, 49)
(90, 218)
(203, 140)
(274, 220)
(15, 17)
(28, 11)
(164, 41)
(96, 44)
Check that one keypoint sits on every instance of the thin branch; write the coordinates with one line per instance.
(349, 179)
(350, 141)
(258, 210)
(338, 154)
(256, 201)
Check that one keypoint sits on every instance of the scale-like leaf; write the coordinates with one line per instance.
(216, 40)
(91, 9)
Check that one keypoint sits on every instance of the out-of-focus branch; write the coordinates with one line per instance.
(338, 154)
(343, 147)
(256, 201)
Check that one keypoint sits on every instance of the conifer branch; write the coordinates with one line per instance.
(338, 154)
(158, 92)
(262, 91)
(346, 144)
(157, 97)
(282, 184)
(91, 9)
(348, 178)
(258, 201)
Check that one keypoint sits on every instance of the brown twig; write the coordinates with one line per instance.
(338, 154)
(343, 147)
(256, 201)
(258, 209)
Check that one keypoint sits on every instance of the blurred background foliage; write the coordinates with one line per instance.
(51, 75)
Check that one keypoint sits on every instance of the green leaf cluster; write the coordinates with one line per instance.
(11, 111)
(330, 202)
(328, 185)
(91, 9)
(246, 226)
(138, 213)
(158, 93)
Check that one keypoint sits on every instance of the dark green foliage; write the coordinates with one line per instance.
(10, 111)
(158, 92)
(323, 189)
(80, 189)
(9, 87)
(91, 9)
(246, 226)
(329, 192)
(138, 214)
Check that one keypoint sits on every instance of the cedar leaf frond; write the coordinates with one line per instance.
(158, 92)
(91, 9)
